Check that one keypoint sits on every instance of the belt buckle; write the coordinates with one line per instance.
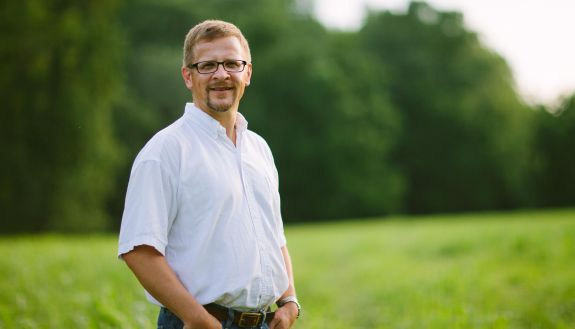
(249, 319)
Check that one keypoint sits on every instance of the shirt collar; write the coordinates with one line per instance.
(211, 125)
(241, 123)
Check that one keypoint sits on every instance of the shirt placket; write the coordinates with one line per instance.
(265, 286)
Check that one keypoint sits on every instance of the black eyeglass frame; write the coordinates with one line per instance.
(195, 65)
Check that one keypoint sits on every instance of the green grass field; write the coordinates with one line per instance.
(500, 270)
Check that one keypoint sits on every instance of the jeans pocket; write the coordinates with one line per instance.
(168, 320)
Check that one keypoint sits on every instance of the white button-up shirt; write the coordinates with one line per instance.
(212, 209)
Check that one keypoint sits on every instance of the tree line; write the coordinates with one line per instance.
(410, 114)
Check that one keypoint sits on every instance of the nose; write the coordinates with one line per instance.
(221, 72)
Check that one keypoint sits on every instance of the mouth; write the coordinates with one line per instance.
(220, 88)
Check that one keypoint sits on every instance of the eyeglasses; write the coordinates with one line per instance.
(207, 67)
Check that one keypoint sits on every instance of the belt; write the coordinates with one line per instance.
(241, 319)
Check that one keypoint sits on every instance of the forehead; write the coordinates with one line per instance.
(219, 49)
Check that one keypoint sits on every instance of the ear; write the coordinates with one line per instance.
(187, 75)
(248, 76)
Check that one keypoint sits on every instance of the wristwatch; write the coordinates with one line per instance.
(290, 299)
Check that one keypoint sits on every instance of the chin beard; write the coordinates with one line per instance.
(221, 108)
(221, 105)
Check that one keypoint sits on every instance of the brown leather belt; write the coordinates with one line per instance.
(241, 319)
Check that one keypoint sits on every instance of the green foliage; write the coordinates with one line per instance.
(57, 87)
(330, 124)
(464, 127)
(553, 157)
(499, 270)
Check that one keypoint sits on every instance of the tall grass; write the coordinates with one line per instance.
(499, 270)
(68, 282)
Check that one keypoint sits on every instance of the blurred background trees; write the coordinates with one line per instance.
(553, 158)
(59, 79)
(410, 114)
(465, 131)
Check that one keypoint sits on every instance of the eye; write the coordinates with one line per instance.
(206, 66)
(233, 65)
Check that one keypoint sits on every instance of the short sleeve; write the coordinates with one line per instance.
(150, 207)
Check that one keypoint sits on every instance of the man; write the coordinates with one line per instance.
(201, 228)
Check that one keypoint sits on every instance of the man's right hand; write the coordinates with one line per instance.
(213, 324)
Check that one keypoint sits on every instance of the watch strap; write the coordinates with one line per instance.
(290, 299)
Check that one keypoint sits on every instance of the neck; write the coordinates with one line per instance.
(227, 119)
(229, 122)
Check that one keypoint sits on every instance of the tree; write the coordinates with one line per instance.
(465, 131)
(327, 115)
(553, 157)
(58, 86)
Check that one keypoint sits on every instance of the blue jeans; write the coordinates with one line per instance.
(168, 320)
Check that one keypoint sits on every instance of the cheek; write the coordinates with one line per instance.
(198, 87)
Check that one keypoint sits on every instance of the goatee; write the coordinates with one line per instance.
(221, 108)
(217, 106)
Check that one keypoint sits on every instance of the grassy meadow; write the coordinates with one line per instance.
(493, 270)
